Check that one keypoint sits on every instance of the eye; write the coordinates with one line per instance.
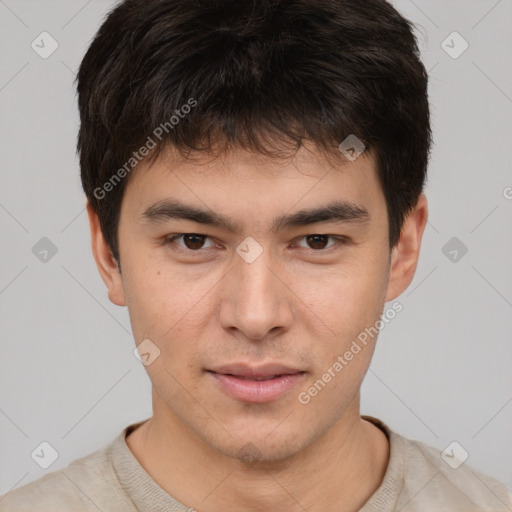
(191, 241)
(195, 242)
(319, 242)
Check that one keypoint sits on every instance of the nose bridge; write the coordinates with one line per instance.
(256, 300)
(257, 278)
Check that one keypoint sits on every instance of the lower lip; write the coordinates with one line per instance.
(257, 391)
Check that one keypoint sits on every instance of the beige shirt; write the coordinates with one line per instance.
(112, 480)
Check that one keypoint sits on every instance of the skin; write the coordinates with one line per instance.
(298, 304)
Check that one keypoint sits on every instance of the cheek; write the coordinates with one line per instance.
(165, 304)
(349, 303)
(345, 300)
(166, 308)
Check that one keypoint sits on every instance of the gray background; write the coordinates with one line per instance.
(441, 371)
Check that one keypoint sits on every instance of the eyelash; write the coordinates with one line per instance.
(170, 239)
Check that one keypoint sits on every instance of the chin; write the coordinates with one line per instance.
(253, 453)
(268, 444)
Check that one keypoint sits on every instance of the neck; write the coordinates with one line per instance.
(339, 470)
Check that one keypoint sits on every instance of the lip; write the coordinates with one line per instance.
(262, 371)
(256, 384)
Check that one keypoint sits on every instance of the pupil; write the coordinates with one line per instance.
(317, 240)
(194, 245)
(194, 241)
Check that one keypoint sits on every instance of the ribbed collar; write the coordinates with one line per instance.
(145, 493)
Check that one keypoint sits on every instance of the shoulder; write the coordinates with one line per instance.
(86, 484)
(444, 481)
(421, 478)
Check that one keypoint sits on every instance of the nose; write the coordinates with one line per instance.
(256, 298)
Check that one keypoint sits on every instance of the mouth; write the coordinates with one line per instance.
(252, 384)
(254, 378)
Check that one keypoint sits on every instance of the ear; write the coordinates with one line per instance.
(404, 256)
(105, 261)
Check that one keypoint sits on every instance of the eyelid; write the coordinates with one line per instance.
(171, 239)
(337, 238)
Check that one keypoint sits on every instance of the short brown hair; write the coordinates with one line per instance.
(258, 70)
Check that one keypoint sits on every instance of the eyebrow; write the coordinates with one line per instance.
(336, 212)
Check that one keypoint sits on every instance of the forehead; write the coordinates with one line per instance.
(242, 180)
(308, 161)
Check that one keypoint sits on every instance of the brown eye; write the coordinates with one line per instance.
(193, 241)
(190, 241)
(317, 241)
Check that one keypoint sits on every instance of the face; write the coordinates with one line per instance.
(253, 277)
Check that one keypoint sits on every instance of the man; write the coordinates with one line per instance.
(254, 174)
